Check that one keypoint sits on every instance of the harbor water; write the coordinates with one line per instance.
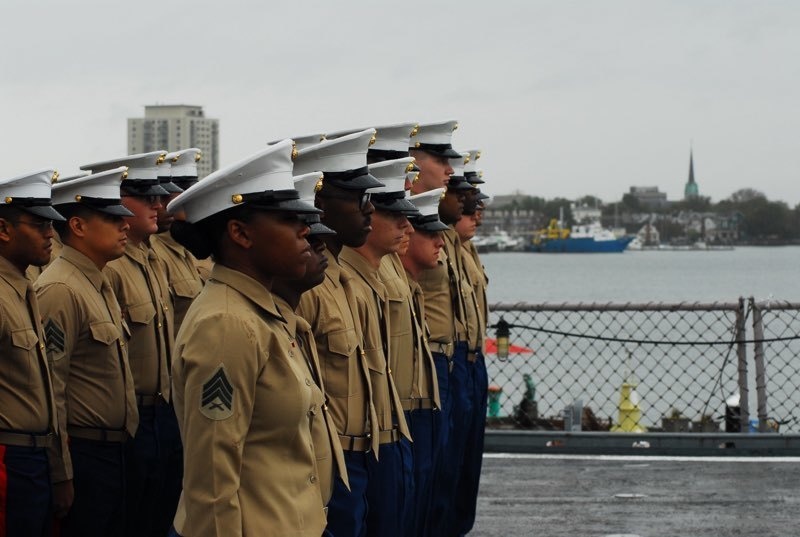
(638, 277)
(645, 276)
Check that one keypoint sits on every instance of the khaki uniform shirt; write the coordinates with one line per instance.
(140, 285)
(92, 380)
(409, 355)
(331, 312)
(373, 314)
(327, 448)
(474, 316)
(183, 275)
(480, 281)
(27, 403)
(444, 305)
(243, 404)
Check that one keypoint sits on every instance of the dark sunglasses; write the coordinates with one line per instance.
(149, 199)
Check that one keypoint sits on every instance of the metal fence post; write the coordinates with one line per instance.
(741, 353)
(761, 372)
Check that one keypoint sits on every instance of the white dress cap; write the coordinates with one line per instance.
(391, 141)
(392, 195)
(184, 163)
(301, 142)
(65, 178)
(457, 180)
(307, 186)
(264, 179)
(427, 203)
(343, 161)
(99, 191)
(165, 175)
(142, 177)
(435, 138)
(30, 192)
(471, 168)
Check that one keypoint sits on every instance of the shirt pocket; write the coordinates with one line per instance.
(341, 346)
(22, 363)
(187, 289)
(141, 313)
(105, 336)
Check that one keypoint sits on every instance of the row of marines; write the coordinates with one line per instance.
(324, 376)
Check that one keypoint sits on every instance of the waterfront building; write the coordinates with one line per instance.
(649, 197)
(175, 127)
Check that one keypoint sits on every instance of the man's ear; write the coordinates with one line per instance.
(5, 230)
(77, 226)
(239, 233)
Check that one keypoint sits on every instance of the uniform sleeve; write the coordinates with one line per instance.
(60, 315)
(218, 364)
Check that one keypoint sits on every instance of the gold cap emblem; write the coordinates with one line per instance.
(480, 173)
(294, 151)
(237, 199)
(124, 175)
(78, 197)
(444, 193)
(417, 144)
(466, 159)
(9, 199)
(415, 130)
(477, 155)
(55, 177)
(161, 158)
(198, 156)
(373, 140)
(318, 186)
(175, 159)
(455, 126)
(415, 179)
(410, 167)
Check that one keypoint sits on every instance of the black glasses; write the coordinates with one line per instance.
(362, 200)
(42, 226)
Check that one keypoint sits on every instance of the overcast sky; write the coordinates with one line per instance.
(565, 98)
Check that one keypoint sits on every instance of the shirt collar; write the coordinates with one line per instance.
(248, 288)
(84, 265)
(11, 274)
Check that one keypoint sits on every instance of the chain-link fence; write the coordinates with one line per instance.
(659, 367)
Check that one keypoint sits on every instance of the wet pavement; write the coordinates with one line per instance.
(533, 495)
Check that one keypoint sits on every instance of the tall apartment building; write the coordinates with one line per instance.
(174, 127)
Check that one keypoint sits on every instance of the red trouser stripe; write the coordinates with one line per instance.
(3, 490)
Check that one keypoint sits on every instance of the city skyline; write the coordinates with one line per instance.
(564, 99)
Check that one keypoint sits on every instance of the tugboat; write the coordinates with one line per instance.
(584, 238)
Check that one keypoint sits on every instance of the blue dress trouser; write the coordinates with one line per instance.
(347, 509)
(25, 495)
(467, 494)
(424, 425)
(389, 477)
(154, 472)
(98, 470)
(447, 475)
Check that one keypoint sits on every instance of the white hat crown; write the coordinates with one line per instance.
(392, 173)
(140, 166)
(103, 185)
(427, 203)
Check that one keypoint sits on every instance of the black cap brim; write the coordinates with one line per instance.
(291, 206)
(436, 225)
(438, 150)
(151, 190)
(458, 183)
(44, 211)
(318, 228)
(171, 187)
(360, 182)
(114, 210)
(394, 205)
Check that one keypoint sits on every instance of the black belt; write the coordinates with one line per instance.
(356, 443)
(150, 400)
(97, 434)
(26, 439)
(416, 404)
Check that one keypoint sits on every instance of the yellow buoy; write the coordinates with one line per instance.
(629, 411)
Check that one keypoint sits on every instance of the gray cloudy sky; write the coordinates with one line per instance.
(565, 97)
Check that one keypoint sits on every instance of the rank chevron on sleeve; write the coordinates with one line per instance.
(217, 398)
(54, 336)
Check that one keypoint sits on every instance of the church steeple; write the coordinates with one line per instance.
(691, 191)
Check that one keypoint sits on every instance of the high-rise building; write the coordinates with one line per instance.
(174, 127)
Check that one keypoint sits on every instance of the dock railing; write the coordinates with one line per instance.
(659, 367)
